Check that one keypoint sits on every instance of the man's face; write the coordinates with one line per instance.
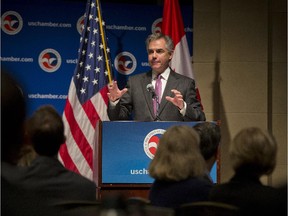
(158, 55)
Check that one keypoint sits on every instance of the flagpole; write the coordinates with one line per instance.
(104, 42)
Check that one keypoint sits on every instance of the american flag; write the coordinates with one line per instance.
(172, 25)
(87, 97)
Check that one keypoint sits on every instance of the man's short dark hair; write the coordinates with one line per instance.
(46, 131)
(210, 137)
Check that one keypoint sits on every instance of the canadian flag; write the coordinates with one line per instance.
(172, 25)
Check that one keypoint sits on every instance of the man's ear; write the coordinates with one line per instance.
(171, 55)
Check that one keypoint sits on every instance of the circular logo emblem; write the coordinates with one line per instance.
(156, 26)
(125, 63)
(49, 60)
(151, 142)
(80, 24)
(11, 22)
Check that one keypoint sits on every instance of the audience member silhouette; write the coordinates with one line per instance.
(253, 155)
(46, 175)
(15, 200)
(210, 137)
(13, 113)
(178, 169)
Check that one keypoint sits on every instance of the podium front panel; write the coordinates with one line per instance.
(127, 150)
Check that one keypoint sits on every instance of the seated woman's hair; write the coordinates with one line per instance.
(253, 150)
(178, 155)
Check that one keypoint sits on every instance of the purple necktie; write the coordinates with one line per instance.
(158, 91)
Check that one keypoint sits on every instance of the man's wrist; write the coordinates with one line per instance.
(183, 110)
(114, 103)
(183, 106)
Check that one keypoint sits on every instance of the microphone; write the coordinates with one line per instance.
(151, 89)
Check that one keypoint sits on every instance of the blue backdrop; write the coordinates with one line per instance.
(40, 42)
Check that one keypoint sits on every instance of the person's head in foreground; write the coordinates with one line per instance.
(178, 156)
(253, 151)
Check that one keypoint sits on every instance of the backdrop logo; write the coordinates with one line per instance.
(156, 26)
(11, 22)
(49, 60)
(151, 142)
(125, 63)
(80, 24)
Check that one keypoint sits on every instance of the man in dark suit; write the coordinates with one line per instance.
(46, 175)
(176, 99)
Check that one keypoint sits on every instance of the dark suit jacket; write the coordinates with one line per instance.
(173, 194)
(249, 194)
(136, 104)
(16, 200)
(48, 177)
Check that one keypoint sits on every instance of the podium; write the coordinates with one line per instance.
(124, 152)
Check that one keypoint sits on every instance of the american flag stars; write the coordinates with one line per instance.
(92, 57)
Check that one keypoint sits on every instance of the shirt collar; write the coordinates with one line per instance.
(164, 74)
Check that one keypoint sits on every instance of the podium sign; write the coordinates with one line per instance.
(127, 150)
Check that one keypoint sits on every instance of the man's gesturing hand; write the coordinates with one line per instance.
(114, 92)
(177, 100)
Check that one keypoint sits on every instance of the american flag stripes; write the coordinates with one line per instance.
(87, 97)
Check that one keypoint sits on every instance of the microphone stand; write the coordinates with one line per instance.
(150, 89)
